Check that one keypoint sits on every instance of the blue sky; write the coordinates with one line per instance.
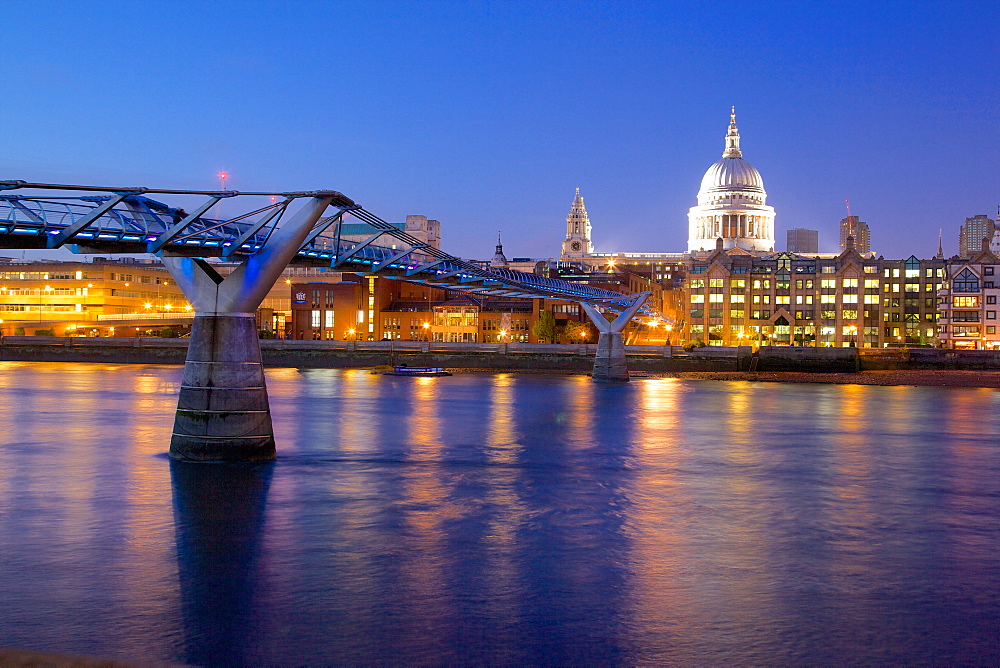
(486, 115)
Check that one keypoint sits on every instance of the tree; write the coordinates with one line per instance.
(577, 332)
(545, 329)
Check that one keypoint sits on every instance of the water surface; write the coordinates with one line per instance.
(503, 519)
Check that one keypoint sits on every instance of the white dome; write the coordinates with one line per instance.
(731, 174)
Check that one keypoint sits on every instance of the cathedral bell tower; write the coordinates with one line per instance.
(577, 243)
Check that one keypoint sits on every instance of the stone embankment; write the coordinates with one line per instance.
(741, 362)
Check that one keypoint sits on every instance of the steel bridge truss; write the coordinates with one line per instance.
(126, 220)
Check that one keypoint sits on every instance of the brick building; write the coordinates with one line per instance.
(736, 298)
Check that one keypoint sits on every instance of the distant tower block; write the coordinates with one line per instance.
(972, 233)
(801, 240)
(852, 226)
(731, 203)
(577, 243)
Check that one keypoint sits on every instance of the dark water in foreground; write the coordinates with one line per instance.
(503, 519)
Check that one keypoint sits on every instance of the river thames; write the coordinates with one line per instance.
(503, 519)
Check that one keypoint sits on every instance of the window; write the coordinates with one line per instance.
(697, 313)
(828, 283)
(965, 316)
(696, 283)
(737, 299)
(991, 299)
(782, 299)
(966, 281)
(850, 283)
(967, 302)
(829, 269)
(871, 299)
(329, 320)
(715, 282)
(715, 313)
(987, 271)
(315, 319)
(850, 314)
(871, 269)
(991, 315)
(991, 329)
(736, 314)
(848, 299)
(714, 298)
(871, 284)
(697, 299)
(738, 283)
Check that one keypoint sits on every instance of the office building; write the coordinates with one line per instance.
(857, 228)
(973, 232)
(801, 240)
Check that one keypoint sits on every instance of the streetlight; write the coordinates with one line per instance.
(669, 328)
(427, 327)
(503, 333)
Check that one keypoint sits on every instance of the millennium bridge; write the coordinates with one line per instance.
(223, 412)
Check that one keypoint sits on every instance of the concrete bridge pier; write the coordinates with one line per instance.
(609, 364)
(223, 413)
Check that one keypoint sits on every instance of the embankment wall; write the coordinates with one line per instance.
(653, 359)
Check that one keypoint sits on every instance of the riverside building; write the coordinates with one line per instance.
(737, 298)
(968, 302)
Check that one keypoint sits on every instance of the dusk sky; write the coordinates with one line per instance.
(487, 115)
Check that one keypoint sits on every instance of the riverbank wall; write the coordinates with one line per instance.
(354, 354)
(496, 356)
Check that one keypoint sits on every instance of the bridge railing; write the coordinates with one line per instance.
(127, 221)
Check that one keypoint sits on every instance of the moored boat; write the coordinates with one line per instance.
(417, 371)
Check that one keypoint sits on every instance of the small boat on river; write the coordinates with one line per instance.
(417, 371)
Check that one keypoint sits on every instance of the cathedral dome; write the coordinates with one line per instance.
(731, 174)
(732, 205)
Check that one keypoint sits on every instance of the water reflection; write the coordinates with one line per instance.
(503, 519)
(219, 522)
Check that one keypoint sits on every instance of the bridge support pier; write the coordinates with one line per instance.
(609, 364)
(223, 413)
